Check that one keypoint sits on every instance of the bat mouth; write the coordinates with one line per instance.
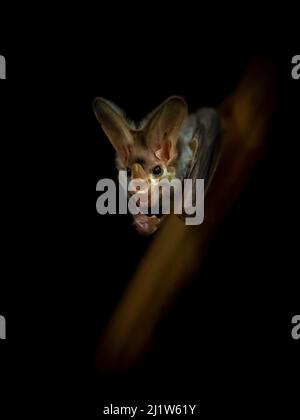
(146, 224)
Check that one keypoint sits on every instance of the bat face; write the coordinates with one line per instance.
(147, 151)
(146, 165)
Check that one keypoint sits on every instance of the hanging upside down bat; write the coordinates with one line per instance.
(167, 144)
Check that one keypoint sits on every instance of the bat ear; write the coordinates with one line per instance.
(163, 127)
(115, 126)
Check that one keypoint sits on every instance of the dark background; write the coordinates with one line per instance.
(226, 343)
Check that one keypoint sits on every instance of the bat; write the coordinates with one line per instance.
(167, 144)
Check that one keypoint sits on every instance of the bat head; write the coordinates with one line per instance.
(148, 150)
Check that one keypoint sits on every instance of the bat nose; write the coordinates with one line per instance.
(138, 171)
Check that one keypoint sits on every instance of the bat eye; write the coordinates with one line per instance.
(157, 170)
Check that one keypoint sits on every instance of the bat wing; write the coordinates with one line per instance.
(205, 126)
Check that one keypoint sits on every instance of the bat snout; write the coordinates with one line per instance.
(138, 171)
(139, 175)
(142, 184)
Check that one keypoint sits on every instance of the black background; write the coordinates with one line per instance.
(226, 343)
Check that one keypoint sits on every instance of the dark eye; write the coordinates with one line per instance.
(157, 170)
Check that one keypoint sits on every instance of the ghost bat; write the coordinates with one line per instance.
(169, 143)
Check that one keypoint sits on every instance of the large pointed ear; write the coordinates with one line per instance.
(163, 127)
(115, 126)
